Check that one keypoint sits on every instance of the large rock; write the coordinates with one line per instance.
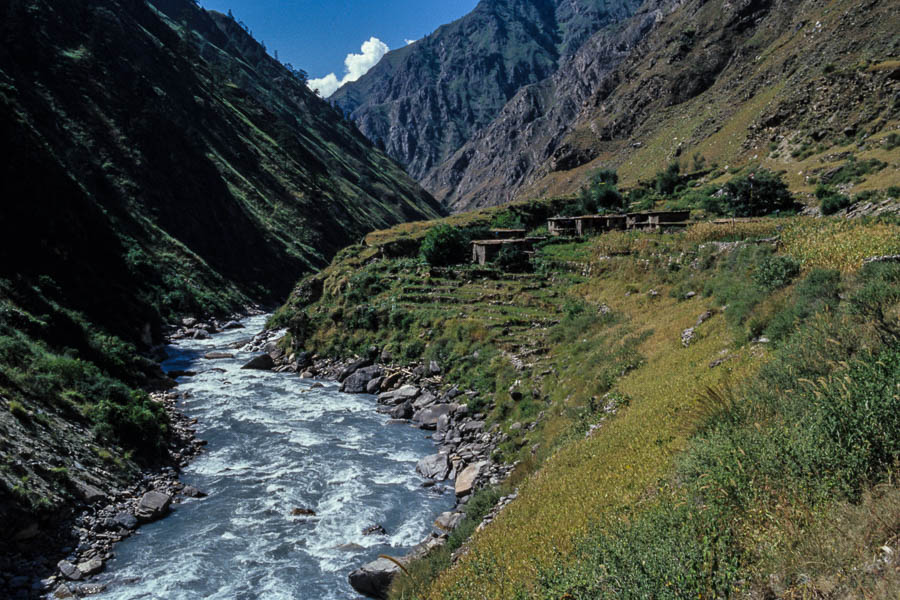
(435, 467)
(427, 418)
(217, 355)
(447, 521)
(357, 382)
(465, 481)
(263, 362)
(153, 505)
(88, 492)
(373, 579)
(426, 399)
(406, 393)
(402, 411)
(69, 570)
(91, 567)
(353, 368)
(374, 386)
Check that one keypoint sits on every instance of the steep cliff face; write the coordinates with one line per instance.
(423, 102)
(491, 167)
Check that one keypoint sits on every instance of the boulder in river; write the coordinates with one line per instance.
(373, 579)
(152, 506)
(217, 355)
(263, 362)
(358, 381)
(232, 325)
(303, 512)
(435, 466)
(374, 530)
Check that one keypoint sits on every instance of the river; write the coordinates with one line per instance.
(276, 444)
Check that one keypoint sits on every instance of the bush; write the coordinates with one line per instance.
(775, 272)
(757, 194)
(132, 419)
(668, 180)
(831, 201)
(445, 245)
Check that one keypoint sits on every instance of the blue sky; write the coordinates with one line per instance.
(319, 36)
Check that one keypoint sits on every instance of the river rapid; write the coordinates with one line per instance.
(277, 444)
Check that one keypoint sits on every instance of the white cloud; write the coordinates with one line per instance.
(355, 66)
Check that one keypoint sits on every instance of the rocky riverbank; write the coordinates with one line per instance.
(416, 394)
(62, 556)
(80, 546)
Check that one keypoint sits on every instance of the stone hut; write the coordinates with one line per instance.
(591, 224)
(561, 226)
(485, 251)
(653, 221)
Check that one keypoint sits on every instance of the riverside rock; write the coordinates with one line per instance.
(358, 382)
(263, 362)
(373, 579)
(153, 505)
(69, 570)
(91, 567)
(427, 418)
(353, 368)
(465, 481)
(435, 467)
(407, 392)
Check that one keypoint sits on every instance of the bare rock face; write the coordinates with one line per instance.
(528, 132)
(422, 102)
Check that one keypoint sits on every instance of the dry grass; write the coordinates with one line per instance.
(838, 243)
(587, 480)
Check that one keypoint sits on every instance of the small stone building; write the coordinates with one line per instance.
(561, 226)
(653, 221)
(593, 224)
(485, 251)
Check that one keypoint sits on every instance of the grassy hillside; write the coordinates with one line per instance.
(755, 455)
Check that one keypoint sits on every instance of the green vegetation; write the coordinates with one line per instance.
(600, 195)
(445, 245)
(754, 445)
(831, 201)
